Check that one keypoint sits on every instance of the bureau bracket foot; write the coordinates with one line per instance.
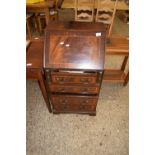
(93, 114)
(55, 112)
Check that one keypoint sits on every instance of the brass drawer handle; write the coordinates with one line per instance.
(65, 89)
(59, 79)
(84, 90)
(87, 80)
(63, 79)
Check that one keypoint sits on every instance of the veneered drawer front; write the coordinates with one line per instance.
(73, 103)
(74, 89)
(74, 78)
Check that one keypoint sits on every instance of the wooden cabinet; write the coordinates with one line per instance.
(74, 64)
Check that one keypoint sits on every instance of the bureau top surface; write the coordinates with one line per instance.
(72, 48)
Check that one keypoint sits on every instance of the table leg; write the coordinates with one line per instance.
(47, 15)
(126, 79)
(123, 68)
(44, 92)
(124, 63)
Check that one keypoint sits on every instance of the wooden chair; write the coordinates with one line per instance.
(41, 19)
(106, 10)
(53, 14)
(84, 10)
(31, 24)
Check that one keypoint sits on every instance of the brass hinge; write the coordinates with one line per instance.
(99, 76)
(48, 75)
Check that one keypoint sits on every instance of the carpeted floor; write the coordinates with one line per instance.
(73, 134)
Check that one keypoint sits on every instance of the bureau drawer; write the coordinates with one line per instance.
(74, 89)
(69, 78)
(71, 103)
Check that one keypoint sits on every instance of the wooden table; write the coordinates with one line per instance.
(71, 4)
(41, 7)
(34, 66)
(118, 46)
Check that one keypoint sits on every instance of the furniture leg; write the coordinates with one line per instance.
(124, 63)
(36, 23)
(44, 92)
(126, 79)
(28, 29)
(40, 26)
(47, 15)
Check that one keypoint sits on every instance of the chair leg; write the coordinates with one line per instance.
(44, 92)
(39, 24)
(36, 22)
(28, 29)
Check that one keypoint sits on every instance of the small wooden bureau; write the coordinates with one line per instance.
(74, 65)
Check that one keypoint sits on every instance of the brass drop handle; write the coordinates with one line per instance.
(84, 90)
(59, 79)
(85, 80)
(63, 79)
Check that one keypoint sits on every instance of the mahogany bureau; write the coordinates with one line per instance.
(74, 65)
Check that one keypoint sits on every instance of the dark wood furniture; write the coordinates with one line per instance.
(34, 66)
(118, 46)
(74, 65)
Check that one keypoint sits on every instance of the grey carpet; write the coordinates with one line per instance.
(74, 134)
